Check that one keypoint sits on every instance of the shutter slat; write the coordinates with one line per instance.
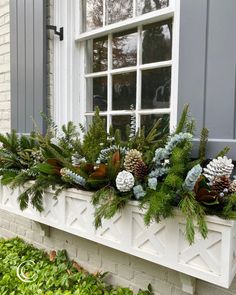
(28, 66)
(193, 21)
(30, 63)
(207, 69)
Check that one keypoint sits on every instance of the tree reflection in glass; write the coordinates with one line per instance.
(123, 91)
(119, 10)
(100, 54)
(94, 14)
(157, 42)
(124, 49)
(145, 6)
(156, 84)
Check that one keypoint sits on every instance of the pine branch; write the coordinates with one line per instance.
(183, 120)
(107, 203)
(193, 211)
(202, 144)
(223, 152)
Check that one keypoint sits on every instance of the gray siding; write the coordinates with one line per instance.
(207, 68)
(28, 63)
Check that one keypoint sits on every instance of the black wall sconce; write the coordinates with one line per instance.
(60, 33)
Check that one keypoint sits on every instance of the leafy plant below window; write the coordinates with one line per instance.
(50, 274)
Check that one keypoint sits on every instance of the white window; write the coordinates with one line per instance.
(125, 54)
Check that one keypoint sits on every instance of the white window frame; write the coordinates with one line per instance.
(69, 101)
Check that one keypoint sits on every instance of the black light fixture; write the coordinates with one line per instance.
(60, 33)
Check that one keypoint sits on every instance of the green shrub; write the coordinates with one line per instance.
(50, 275)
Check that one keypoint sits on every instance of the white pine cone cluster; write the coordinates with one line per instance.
(222, 166)
(132, 158)
(124, 181)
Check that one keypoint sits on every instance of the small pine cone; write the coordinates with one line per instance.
(141, 170)
(132, 158)
(232, 188)
(221, 184)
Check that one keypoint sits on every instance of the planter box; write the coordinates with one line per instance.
(213, 259)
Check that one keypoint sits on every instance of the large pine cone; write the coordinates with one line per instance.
(218, 167)
(221, 184)
(132, 158)
(141, 170)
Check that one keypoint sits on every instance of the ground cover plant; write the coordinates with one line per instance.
(49, 274)
(156, 168)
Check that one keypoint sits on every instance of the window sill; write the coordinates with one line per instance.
(212, 260)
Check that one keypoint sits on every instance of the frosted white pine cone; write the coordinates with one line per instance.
(124, 181)
(218, 167)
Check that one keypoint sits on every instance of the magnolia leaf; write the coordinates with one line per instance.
(100, 172)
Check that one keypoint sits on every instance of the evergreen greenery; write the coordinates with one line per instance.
(163, 177)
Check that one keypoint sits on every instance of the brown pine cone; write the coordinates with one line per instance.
(232, 187)
(221, 184)
(131, 159)
(140, 170)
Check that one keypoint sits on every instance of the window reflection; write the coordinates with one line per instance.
(121, 122)
(124, 49)
(119, 10)
(156, 85)
(123, 91)
(97, 93)
(147, 121)
(100, 54)
(157, 42)
(145, 6)
(94, 14)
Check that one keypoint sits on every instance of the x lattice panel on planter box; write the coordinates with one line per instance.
(213, 259)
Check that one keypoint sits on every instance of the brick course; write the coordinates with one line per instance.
(5, 105)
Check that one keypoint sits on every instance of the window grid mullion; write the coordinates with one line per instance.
(148, 66)
(109, 81)
(134, 8)
(139, 78)
(104, 13)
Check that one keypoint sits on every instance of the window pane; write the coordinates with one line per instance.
(144, 6)
(100, 54)
(157, 42)
(119, 10)
(156, 88)
(94, 14)
(124, 49)
(97, 93)
(121, 122)
(148, 122)
(89, 121)
(124, 91)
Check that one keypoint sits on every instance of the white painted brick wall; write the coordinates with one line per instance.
(4, 67)
(124, 269)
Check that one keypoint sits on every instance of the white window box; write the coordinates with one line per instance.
(212, 260)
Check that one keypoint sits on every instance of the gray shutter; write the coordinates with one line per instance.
(207, 69)
(28, 63)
